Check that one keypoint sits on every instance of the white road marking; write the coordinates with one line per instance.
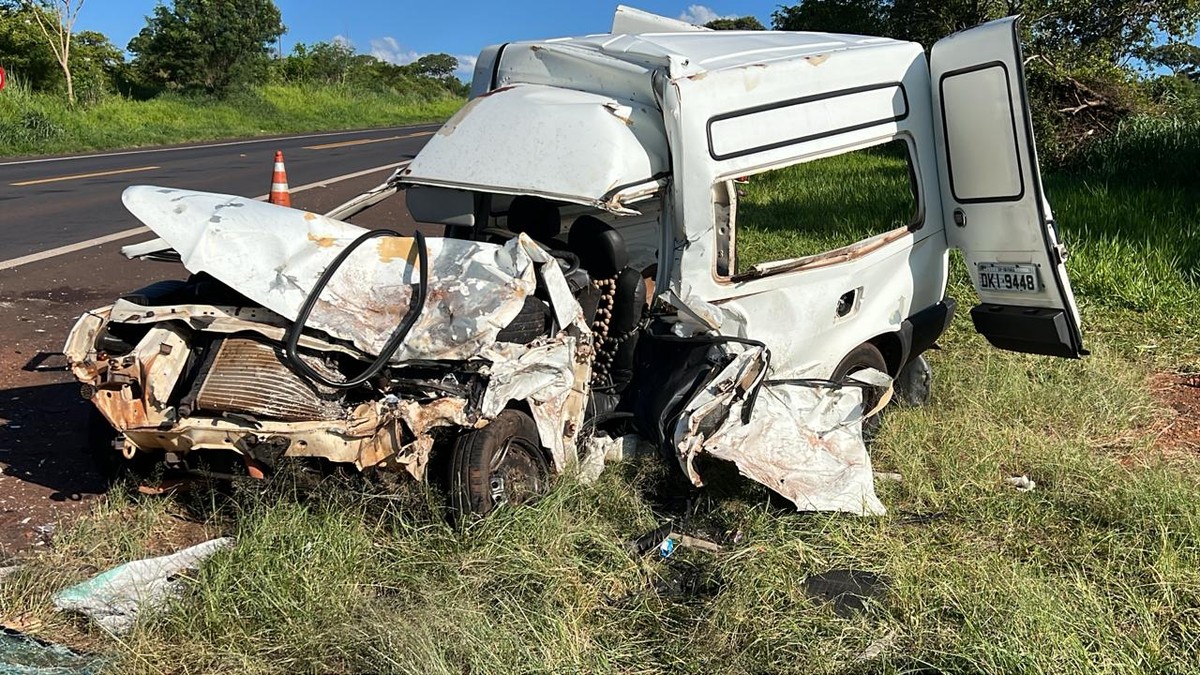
(364, 141)
(122, 153)
(94, 174)
(125, 234)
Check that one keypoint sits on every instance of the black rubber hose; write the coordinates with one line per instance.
(292, 337)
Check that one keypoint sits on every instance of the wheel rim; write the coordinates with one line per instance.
(515, 474)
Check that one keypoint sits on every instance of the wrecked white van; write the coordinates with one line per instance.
(721, 244)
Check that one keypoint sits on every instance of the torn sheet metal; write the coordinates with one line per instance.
(604, 151)
(803, 442)
(550, 375)
(114, 598)
(633, 21)
(275, 255)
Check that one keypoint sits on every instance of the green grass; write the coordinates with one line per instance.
(32, 123)
(818, 206)
(1097, 570)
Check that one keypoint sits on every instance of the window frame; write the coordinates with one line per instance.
(726, 242)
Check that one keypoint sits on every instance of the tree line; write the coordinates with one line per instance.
(210, 47)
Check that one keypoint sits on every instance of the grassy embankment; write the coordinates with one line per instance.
(32, 123)
(1096, 570)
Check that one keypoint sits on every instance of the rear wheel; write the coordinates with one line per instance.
(863, 357)
(499, 464)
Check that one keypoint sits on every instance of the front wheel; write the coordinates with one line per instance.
(502, 463)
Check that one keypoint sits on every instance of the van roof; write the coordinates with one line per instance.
(720, 50)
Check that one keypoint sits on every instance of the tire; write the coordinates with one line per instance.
(914, 383)
(502, 463)
(528, 325)
(863, 357)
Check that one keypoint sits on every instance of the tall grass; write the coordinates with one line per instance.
(35, 123)
(1096, 570)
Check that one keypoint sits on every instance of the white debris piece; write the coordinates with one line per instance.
(802, 441)
(114, 598)
(1021, 483)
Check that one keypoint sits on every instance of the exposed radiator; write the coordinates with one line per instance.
(250, 377)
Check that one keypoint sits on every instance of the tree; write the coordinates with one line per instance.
(96, 64)
(324, 62)
(1181, 58)
(738, 23)
(437, 66)
(857, 17)
(208, 45)
(23, 50)
(56, 19)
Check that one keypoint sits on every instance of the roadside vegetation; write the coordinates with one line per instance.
(200, 71)
(33, 123)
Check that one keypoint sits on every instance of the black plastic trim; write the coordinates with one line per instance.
(496, 66)
(921, 330)
(800, 101)
(1029, 330)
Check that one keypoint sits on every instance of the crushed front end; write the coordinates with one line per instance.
(403, 345)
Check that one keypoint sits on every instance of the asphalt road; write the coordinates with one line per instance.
(52, 202)
(47, 470)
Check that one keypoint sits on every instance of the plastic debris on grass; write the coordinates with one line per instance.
(115, 598)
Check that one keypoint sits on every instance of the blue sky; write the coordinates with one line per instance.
(402, 30)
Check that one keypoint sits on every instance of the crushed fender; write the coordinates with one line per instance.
(803, 439)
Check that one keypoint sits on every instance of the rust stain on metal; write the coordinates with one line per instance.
(323, 242)
(121, 409)
(817, 59)
(391, 248)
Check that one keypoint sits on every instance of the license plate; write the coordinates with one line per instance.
(1008, 278)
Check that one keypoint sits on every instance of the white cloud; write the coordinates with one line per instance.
(388, 49)
(701, 14)
(466, 67)
(342, 40)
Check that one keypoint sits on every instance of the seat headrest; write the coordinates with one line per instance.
(534, 216)
(600, 248)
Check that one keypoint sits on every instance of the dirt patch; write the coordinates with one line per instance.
(1179, 394)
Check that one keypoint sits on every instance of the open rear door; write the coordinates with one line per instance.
(996, 212)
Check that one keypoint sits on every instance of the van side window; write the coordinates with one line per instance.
(820, 207)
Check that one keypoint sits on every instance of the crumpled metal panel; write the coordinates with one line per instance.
(803, 442)
(560, 143)
(542, 375)
(275, 255)
(549, 375)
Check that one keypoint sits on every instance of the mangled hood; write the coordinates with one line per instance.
(563, 144)
(275, 255)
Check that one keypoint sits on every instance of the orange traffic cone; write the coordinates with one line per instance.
(279, 188)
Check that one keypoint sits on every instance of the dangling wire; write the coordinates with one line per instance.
(292, 337)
